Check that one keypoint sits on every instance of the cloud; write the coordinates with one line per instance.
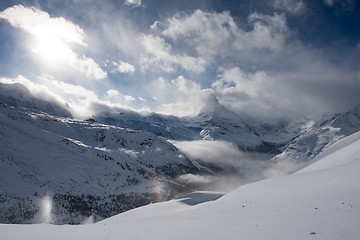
(112, 93)
(254, 64)
(195, 179)
(291, 6)
(133, 3)
(89, 67)
(124, 67)
(115, 96)
(212, 34)
(238, 167)
(205, 32)
(37, 22)
(346, 5)
(180, 96)
(329, 2)
(158, 53)
(52, 38)
(269, 32)
(214, 152)
(196, 41)
(263, 68)
(82, 102)
(311, 89)
(129, 98)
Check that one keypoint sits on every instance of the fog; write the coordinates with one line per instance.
(231, 167)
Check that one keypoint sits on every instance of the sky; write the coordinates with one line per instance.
(265, 59)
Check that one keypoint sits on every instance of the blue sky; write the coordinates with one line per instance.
(265, 59)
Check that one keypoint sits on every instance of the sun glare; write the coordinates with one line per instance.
(52, 47)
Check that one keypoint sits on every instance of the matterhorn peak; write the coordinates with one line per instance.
(213, 108)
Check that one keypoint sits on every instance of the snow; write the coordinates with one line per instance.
(16, 94)
(70, 159)
(340, 153)
(315, 136)
(320, 201)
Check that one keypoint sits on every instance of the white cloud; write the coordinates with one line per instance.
(159, 54)
(47, 88)
(112, 93)
(39, 23)
(206, 32)
(129, 98)
(89, 67)
(310, 89)
(195, 179)
(133, 3)
(52, 37)
(212, 33)
(124, 67)
(180, 97)
(83, 102)
(206, 37)
(269, 32)
(116, 96)
(264, 68)
(225, 155)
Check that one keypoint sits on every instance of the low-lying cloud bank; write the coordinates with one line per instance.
(233, 166)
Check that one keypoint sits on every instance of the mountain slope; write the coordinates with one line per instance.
(315, 136)
(320, 201)
(88, 168)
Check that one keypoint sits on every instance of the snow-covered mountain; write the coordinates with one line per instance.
(214, 122)
(320, 200)
(316, 135)
(18, 95)
(118, 160)
(87, 168)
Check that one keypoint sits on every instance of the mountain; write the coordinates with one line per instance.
(316, 135)
(18, 95)
(87, 168)
(118, 160)
(214, 122)
(320, 200)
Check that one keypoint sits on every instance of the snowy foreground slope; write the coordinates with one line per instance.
(319, 201)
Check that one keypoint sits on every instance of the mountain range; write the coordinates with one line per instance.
(118, 160)
(319, 200)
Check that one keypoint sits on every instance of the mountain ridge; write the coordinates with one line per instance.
(117, 160)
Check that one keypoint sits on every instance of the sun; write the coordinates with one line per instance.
(51, 42)
(52, 48)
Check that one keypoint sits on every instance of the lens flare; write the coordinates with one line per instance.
(46, 209)
(159, 191)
